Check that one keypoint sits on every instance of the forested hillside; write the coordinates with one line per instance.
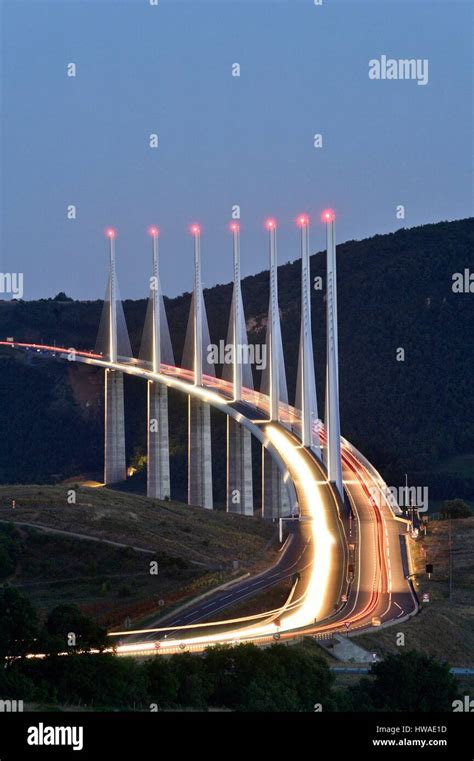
(394, 292)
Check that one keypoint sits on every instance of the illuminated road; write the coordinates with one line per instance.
(325, 596)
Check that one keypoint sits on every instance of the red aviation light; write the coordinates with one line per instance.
(328, 215)
(302, 220)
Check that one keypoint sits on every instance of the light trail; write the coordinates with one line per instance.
(314, 599)
(323, 540)
(302, 612)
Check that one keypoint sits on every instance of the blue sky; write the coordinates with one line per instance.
(223, 140)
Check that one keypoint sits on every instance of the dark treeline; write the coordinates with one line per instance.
(240, 678)
(395, 292)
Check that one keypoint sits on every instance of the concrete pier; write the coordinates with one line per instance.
(158, 459)
(199, 454)
(275, 499)
(239, 494)
(115, 469)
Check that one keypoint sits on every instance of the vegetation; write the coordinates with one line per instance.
(455, 508)
(18, 624)
(205, 538)
(240, 678)
(10, 549)
(410, 682)
(66, 624)
(119, 585)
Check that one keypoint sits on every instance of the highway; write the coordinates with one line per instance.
(325, 597)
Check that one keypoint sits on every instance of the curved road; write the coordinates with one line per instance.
(323, 545)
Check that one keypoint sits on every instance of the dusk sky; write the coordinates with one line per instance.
(223, 140)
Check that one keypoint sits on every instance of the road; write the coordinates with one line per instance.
(324, 599)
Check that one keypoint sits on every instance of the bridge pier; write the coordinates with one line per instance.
(275, 498)
(239, 495)
(199, 454)
(115, 469)
(158, 459)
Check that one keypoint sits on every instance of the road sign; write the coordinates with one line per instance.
(343, 598)
(426, 597)
(347, 624)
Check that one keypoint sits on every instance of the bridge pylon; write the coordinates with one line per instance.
(115, 468)
(158, 458)
(333, 425)
(275, 500)
(306, 398)
(199, 411)
(239, 482)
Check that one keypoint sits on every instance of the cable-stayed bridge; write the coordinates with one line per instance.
(347, 551)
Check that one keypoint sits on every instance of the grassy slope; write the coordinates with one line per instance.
(208, 537)
(444, 627)
(194, 549)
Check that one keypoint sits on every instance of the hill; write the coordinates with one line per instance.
(97, 552)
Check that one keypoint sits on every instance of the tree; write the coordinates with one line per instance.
(194, 687)
(409, 681)
(162, 682)
(61, 296)
(455, 508)
(66, 620)
(18, 624)
(83, 678)
(279, 678)
(10, 549)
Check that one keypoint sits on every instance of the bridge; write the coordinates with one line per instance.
(347, 551)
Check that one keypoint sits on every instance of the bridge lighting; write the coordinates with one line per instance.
(328, 215)
(195, 229)
(270, 224)
(154, 232)
(302, 220)
(110, 232)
